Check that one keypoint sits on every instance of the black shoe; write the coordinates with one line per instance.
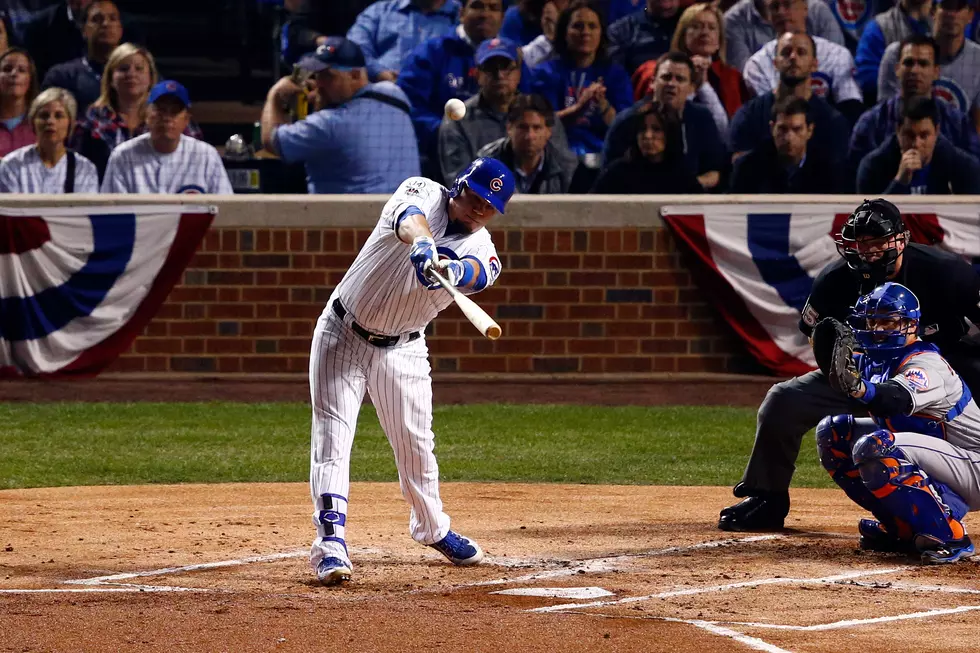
(765, 512)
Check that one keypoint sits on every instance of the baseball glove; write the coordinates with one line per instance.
(833, 347)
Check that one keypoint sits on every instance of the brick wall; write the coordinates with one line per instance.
(569, 301)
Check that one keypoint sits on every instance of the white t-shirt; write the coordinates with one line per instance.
(194, 167)
(382, 290)
(22, 171)
(834, 80)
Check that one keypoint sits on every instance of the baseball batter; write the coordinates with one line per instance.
(370, 336)
(915, 465)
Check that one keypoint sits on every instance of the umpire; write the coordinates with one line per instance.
(874, 248)
(360, 139)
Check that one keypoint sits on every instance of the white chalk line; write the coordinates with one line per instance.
(691, 591)
(915, 587)
(850, 623)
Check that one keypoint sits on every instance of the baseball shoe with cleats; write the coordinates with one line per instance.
(333, 571)
(874, 537)
(759, 511)
(460, 550)
(936, 552)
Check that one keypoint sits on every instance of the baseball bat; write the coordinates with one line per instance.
(476, 315)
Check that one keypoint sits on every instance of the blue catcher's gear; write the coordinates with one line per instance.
(488, 178)
(889, 301)
(878, 223)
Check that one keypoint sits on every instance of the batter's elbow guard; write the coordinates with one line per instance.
(472, 264)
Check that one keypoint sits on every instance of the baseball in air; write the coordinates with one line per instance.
(455, 109)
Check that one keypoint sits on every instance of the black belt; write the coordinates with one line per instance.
(375, 339)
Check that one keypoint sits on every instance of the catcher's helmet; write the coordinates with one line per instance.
(879, 221)
(488, 178)
(889, 301)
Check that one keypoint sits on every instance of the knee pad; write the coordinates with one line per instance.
(834, 439)
(872, 446)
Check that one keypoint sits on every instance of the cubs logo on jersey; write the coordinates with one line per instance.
(78, 285)
(494, 268)
(951, 93)
(821, 84)
(851, 14)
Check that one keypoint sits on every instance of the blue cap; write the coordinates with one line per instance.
(497, 47)
(337, 53)
(488, 178)
(170, 87)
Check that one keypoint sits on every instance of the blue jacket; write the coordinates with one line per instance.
(438, 70)
(870, 50)
(881, 121)
(750, 126)
(950, 172)
(517, 29)
(561, 84)
(638, 38)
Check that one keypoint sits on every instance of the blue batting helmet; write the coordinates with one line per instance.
(488, 178)
(887, 301)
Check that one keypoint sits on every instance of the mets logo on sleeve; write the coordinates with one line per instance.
(949, 91)
(852, 12)
(917, 378)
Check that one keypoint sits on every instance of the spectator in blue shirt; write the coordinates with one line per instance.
(750, 126)
(749, 24)
(917, 160)
(704, 149)
(522, 22)
(903, 20)
(585, 87)
(616, 9)
(314, 21)
(645, 35)
(389, 30)
(102, 29)
(443, 68)
(916, 71)
(360, 139)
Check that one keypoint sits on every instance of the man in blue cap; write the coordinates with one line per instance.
(370, 338)
(164, 160)
(359, 137)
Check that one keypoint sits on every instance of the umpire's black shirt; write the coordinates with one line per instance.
(947, 286)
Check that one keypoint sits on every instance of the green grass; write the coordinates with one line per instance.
(100, 444)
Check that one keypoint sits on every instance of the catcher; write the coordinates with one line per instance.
(874, 248)
(915, 464)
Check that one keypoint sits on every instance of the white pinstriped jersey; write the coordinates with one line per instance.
(22, 171)
(381, 289)
(194, 167)
(834, 79)
(958, 83)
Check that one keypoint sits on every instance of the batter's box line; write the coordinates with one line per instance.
(693, 591)
(853, 623)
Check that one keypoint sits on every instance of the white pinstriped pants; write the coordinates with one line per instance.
(342, 366)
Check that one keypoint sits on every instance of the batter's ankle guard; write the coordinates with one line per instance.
(330, 518)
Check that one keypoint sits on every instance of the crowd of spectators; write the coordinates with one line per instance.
(604, 96)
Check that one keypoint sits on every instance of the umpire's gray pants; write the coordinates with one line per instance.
(790, 409)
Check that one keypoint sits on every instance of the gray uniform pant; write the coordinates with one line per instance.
(790, 409)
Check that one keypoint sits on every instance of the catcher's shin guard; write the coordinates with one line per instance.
(835, 439)
(904, 490)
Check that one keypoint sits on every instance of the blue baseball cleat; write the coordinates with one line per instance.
(333, 571)
(936, 552)
(460, 550)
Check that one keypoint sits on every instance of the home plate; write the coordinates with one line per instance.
(558, 592)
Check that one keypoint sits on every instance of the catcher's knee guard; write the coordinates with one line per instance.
(835, 435)
(904, 490)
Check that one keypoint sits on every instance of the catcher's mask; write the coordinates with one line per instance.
(872, 239)
(884, 319)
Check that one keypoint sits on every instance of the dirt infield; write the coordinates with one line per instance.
(223, 568)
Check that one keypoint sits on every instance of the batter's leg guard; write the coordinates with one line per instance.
(835, 439)
(906, 493)
(330, 519)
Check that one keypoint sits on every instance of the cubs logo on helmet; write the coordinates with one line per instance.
(496, 184)
(80, 284)
(951, 93)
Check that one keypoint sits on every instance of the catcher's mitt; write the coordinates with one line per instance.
(833, 347)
